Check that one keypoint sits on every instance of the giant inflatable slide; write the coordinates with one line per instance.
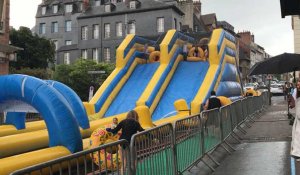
(151, 76)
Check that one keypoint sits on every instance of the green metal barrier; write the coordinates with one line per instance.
(226, 124)
(152, 151)
(189, 142)
(212, 129)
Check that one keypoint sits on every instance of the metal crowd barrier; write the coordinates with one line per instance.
(165, 149)
(114, 157)
(188, 141)
(152, 151)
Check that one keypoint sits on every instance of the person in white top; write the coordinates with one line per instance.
(295, 146)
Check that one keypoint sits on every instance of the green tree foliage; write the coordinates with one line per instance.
(38, 52)
(76, 76)
(36, 72)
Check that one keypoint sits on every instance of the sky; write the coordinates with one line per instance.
(261, 17)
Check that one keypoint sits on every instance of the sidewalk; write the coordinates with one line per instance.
(264, 149)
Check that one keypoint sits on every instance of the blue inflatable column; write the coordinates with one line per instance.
(16, 118)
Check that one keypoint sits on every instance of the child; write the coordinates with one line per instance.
(115, 123)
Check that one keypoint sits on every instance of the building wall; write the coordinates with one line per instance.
(145, 26)
(4, 37)
(296, 28)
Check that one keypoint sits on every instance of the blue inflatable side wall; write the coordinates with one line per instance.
(74, 101)
(62, 126)
(16, 118)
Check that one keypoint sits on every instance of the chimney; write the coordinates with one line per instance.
(197, 8)
(187, 7)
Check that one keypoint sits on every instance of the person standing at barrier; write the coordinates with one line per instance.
(129, 126)
(295, 102)
(212, 102)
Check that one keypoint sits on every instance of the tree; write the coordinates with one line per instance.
(76, 76)
(38, 52)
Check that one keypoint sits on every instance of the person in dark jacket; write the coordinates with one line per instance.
(129, 126)
(213, 102)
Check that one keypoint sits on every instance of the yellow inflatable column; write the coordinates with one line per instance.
(224, 100)
(144, 116)
(181, 106)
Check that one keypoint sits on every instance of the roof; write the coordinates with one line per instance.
(9, 48)
(68, 47)
(121, 8)
(209, 19)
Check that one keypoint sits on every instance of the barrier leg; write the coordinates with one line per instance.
(229, 152)
(210, 167)
(229, 145)
(241, 129)
(236, 137)
(211, 158)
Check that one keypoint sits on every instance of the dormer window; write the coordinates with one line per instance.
(69, 8)
(132, 4)
(107, 8)
(55, 9)
(44, 10)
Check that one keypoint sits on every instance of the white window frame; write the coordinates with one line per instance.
(68, 42)
(119, 29)
(107, 8)
(106, 54)
(97, 2)
(107, 30)
(54, 27)
(96, 31)
(160, 24)
(42, 29)
(132, 27)
(132, 4)
(84, 33)
(69, 8)
(67, 58)
(96, 55)
(55, 9)
(55, 42)
(44, 9)
(84, 53)
(68, 26)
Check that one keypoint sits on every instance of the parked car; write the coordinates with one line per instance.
(276, 89)
(249, 86)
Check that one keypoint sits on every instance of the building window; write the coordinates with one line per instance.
(160, 25)
(42, 29)
(131, 27)
(55, 42)
(95, 55)
(196, 28)
(95, 31)
(107, 8)
(69, 8)
(107, 54)
(68, 26)
(175, 23)
(180, 26)
(84, 32)
(119, 31)
(84, 53)
(44, 10)
(68, 42)
(97, 2)
(54, 27)
(66, 58)
(55, 8)
(132, 5)
(106, 30)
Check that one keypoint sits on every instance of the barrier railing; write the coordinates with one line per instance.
(212, 129)
(188, 141)
(152, 151)
(164, 149)
(112, 158)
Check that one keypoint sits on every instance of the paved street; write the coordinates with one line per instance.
(263, 150)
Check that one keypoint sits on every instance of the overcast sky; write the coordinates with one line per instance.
(261, 17)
